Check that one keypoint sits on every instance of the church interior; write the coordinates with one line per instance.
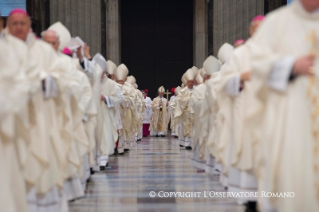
(159, 105)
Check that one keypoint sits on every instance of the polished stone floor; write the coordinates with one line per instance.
(154, 164)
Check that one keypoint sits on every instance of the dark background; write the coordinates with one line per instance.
(157, 41)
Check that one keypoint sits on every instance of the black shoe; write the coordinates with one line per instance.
(181, 146)
(115, 152)
(126, 150)
(251, 206)
(175, 136)
(188, 148)
(162, 136)
(157, 136)
(139, 139)
(92, 171)
(102, 168)
(122, 153)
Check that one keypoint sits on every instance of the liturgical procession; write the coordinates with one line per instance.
(159, 105)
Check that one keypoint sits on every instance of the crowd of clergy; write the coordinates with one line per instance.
(63, 113)
(250, 115)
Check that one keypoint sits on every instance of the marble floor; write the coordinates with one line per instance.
(158, 165)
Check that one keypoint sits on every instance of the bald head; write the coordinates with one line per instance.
(255, 23)
(52, 38)
(310, 5)
(19, 24)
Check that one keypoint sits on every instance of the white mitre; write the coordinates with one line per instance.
(189, 75)
(110, 67)
(202, 72)
(123, 66)
(161, 89)
(120, 73)
(178, 90)
(194, 69)
(184, 81)
(131, 80)
(63, 33)
(211, 65)
(199, 79)
(182, 85)
(225, 52)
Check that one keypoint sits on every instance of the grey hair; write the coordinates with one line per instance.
(50, 31)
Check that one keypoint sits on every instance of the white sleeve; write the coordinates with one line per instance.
(233, 86)
(120, 94)
(109, 102)
(280, 73)
(87, 66)
(51, 87)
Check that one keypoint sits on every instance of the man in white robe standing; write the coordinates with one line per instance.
(207, 116)
(171, 113)
(284, 55)
(46, 187)
(184, 113)
(237, 89)
(127, 109)
(15, 88)
(147, 113)
(58, 38)
(220, 130)
(160, 117)
(108, 115)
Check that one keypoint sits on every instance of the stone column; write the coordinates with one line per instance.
(200, 32)
(113, 31)
(82, 18)
(231, 20)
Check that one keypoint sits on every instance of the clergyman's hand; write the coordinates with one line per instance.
(87, 51)
(245, 76)
(103, 98)
(79, 53)
(304, 65)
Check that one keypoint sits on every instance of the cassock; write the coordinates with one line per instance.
(220, 122)
(14, 88)
(172, 105)
(160, 117)
(127, 110)
(79, 86)
(72, 185)
(147, 116)
(48, 185)
(108, 124)
(199, 130)
(238, 97)
(141, 112)
(288, 133)
(132, 111)
(207, 113)
(184, 114)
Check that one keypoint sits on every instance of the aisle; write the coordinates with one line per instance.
(155, 164)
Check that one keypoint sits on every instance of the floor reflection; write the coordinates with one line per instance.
(155, 164)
